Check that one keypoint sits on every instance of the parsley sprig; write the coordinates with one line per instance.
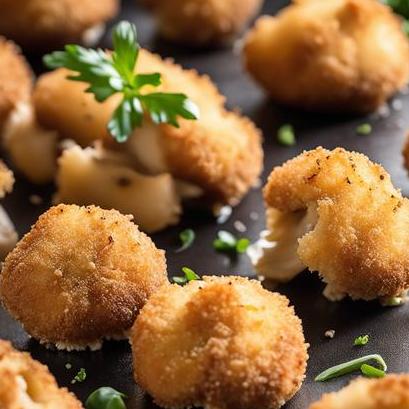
(112, 73)
(189, 275)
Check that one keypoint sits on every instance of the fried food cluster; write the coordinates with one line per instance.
(26, 383)
(80, 275)
(220, 342)
(44, 24)
(15, 78)
(203, 22)
(391, 392)
(325, 55)
(357, 234)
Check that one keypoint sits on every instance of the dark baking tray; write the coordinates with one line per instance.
(112, 366)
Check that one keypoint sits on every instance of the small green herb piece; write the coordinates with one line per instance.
(105, 398)
(187, 237)
(372, 372)
(364, 129)
(286, 135)
(393, 301)
(228, 243)
(80, 377)
(108, 74)
(190, 275)
(351, 366)
(361, 340)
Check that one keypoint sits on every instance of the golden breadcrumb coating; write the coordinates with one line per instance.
(44, 24)
(15, 78)
(92, 266)
(221, 152)
(325, 55)
(391, 392)
(6, 179)
(203, 22)
(26, 383)
(219, 343)
(405, 152)
(359, 243)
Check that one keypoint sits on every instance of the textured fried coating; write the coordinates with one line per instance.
(391, 392)
(203, 22)
(325, 55)
(15, 78)
(44, 24)
(6, 179)
(26, 383)
(221, 152)
(80, 275)
(359, 243)
(220, 342)
(405, 152)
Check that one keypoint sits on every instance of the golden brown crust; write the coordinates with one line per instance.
(324, 56)
(6, 179)
(405, 152)
(359, 242)
(93, 266)
(15, 78)
(43, 24)
(203, 22)
(26, 382)
(223, 342)
(391, 392)
(221, 152)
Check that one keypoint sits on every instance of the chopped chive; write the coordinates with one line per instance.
(227, 242)
(350, 366)
(286, 135)
(361, 340)
(393, 301)
(372, 372)
(364, 129)
(190, 275)
(242, 245)
(187, 237)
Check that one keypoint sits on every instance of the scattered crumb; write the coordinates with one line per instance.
(240, 226)
(261, 278)
(223, 214)
(330, 333)
(68, 365)
(397, 105)
(254, 216)
(35, 200)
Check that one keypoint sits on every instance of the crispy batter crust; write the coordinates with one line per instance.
(324, 55)
(359, 245)
(6, 179)
(93, 266)
(15, 78)
(24, 378)
(391, 392)
(405, 152)
(223, 343)
(221, 152)
(43, 24)
(203, 22)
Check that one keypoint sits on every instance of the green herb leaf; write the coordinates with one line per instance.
(393, 301)
(80, 377)
(112, 73)
(372, 372)
(190, 275)
(364, 129)
(228, 243)
(361, 340)
(105, 398)
(286, 135)
(187, 237)
(351, 366)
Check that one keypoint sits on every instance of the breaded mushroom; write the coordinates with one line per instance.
(325, 55)
(219, 342)
(203, 22)
(337, 213)
(391, 392)
(27, 384)
(15, 78)
(80, 275)
(44, 24)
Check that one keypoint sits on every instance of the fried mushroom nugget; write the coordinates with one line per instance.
(324, 55)
(15, 78)
(92, 266)
(220, 343)
(358, 239)
(44, 24)
(26, 383)
(203, 22)
(391, 392)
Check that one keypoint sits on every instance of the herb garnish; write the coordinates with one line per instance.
(187, 237)
(108, 74)
(364, 129)
(361, 340)
(351, 366)
(227, 242)
(286, 135)
(105, 398)
(190, 275)
(372, 372)
(80, 377)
